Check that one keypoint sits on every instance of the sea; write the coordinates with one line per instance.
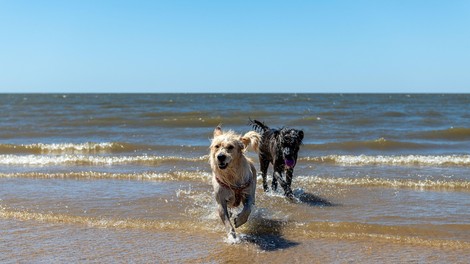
(125, 178)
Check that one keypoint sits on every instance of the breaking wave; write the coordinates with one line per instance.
(149, 176)
(457, 185)
(70, 159)
(301, 181)
(93, 148)
(342, 160)
(381, 144)
(88, 147)
(398, 160)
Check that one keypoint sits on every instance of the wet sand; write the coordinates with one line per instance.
(109, 220)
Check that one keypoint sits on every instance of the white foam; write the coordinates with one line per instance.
(395, 160)
(87, 159)
(233, 240)
(394, 183)
(71, 146)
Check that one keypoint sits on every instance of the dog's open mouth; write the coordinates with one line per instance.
(222, 165)
(289, 163)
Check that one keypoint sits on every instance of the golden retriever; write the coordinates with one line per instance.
(234, 175)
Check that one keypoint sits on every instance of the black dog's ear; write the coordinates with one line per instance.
(301, 135)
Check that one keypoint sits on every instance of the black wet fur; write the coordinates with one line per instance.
(277, 146)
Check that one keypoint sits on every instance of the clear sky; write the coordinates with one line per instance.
(235, 46)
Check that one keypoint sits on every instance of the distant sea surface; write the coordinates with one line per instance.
(125, 177)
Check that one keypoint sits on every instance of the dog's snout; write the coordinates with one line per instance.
(221, 157)
(287, 152)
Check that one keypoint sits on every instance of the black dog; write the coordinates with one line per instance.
(279, 147)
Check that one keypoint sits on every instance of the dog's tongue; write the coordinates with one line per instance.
(289, 163)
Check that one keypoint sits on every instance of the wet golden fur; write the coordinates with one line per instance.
(232, 169)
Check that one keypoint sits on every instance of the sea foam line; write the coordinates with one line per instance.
(460, 185)
(148, 176)
(301, 181)
(43, 160)
(398, 160)
(346, 160)
(72, 146)
(54, 147)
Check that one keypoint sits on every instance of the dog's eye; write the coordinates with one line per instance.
(217, 146)
(230, 147)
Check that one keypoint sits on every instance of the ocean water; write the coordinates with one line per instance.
(125, 178)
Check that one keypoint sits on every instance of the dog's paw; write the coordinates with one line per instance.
(236, 222)
(232, 238)
(240, 220)
(265, 187)
(232, 234)
(289, 195)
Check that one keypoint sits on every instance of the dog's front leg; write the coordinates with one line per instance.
(289, 176)
(285, 186)
(274, 182)
(225, 217)
(277, 176)
(242, 217)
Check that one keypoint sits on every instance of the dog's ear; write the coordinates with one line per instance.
(217, 131)
(301, 136)
(251, 138)
(245, 141)
(241, 145)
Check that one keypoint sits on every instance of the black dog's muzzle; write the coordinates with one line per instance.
(289, 159)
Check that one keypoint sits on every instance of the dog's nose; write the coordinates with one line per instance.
(221, 157)
(286, 152)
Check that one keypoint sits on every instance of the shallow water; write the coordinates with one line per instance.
(125, 178)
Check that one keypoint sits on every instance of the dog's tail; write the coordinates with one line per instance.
(252, 139)
(258, 126)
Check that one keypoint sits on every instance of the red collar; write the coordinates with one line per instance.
(236, 189)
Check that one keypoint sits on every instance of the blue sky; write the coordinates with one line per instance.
(235, 46)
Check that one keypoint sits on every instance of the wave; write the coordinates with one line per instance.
(457, 185)
(393, 234)
(407, 235)
(68, 159)
(301, 181)
(173, 119)
(394, 114)
(91, 175)
(197, 119)
(343, 160)
(399, 160)
(67, 147)
(84, 148)
(90, 221)
(380, 144)
(452, 134)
